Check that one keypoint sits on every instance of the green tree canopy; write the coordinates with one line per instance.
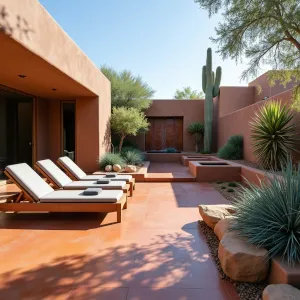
(263, 31)
(127, 121)
(128, 90)
(188, 94)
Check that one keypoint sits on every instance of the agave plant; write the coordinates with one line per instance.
(269, 215)
(273, 134)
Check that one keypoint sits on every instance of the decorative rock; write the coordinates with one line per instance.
(117, 168)
(130, 169)
(108, 168)
(212, 214)
(222, 227)
(281, 292)
(242, 261)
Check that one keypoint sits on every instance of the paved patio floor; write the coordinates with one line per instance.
(176, 172)
(157, 252)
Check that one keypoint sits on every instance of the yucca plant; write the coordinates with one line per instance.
(111, 159)
(269, 215)
(196, 129)
(273, 134)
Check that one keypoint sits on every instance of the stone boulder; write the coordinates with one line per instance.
(222, 227)
(108, 168)
(130, 169)
(117, 168)
(212, 214)
(242, 261)
(281, 292)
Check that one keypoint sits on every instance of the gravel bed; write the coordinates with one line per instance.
(246, 291)
(230, 196)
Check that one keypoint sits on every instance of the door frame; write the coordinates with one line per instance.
(34, 118)
(62, 127)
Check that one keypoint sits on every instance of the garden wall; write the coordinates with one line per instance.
(190, 110)
(266, 90)
(238, 123)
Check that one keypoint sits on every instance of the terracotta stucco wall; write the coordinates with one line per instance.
(190, 110)
(266, 90)
(33, 27)
(233, 98)
(238, 123)
(50, 59)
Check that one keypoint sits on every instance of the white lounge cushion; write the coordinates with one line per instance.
(28, 179)
(98, 177)
(72, 167)
(80, 185)
(76, 196)
(54, 172)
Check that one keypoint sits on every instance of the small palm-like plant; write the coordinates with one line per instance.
(197, 131)
(269, 215)
(274, 134)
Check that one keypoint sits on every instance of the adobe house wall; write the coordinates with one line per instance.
(34, 44)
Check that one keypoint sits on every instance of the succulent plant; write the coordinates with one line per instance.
(273, 134)
(269, 215)
(211, 88)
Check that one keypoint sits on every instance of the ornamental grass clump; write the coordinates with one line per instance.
(274, 134)
(111, 159)
(132, 157)
(269, 215)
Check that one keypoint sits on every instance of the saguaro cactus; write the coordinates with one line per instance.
(211, 88)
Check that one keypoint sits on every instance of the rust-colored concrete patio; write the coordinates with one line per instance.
(157, 252)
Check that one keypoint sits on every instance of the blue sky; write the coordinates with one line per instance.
(164, 41)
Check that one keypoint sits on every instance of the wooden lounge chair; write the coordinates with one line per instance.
(37, 195)
(74, 172)
(60, 180)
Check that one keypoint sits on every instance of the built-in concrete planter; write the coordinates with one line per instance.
(165, 157)
(139, 176)
(212, 171)
(185, 159)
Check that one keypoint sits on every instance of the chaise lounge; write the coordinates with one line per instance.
(37, 195)
(74, 172)
(60, 180)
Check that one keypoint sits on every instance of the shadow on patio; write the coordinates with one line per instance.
(173, 266)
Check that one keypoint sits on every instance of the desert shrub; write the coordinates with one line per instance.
(273, 134)
(233, 149)
(269, 215)
(232, 184)
(170, 150)
(223, 187)
(230, 190)
(132, 157)
(219, 182)
(111, 159)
